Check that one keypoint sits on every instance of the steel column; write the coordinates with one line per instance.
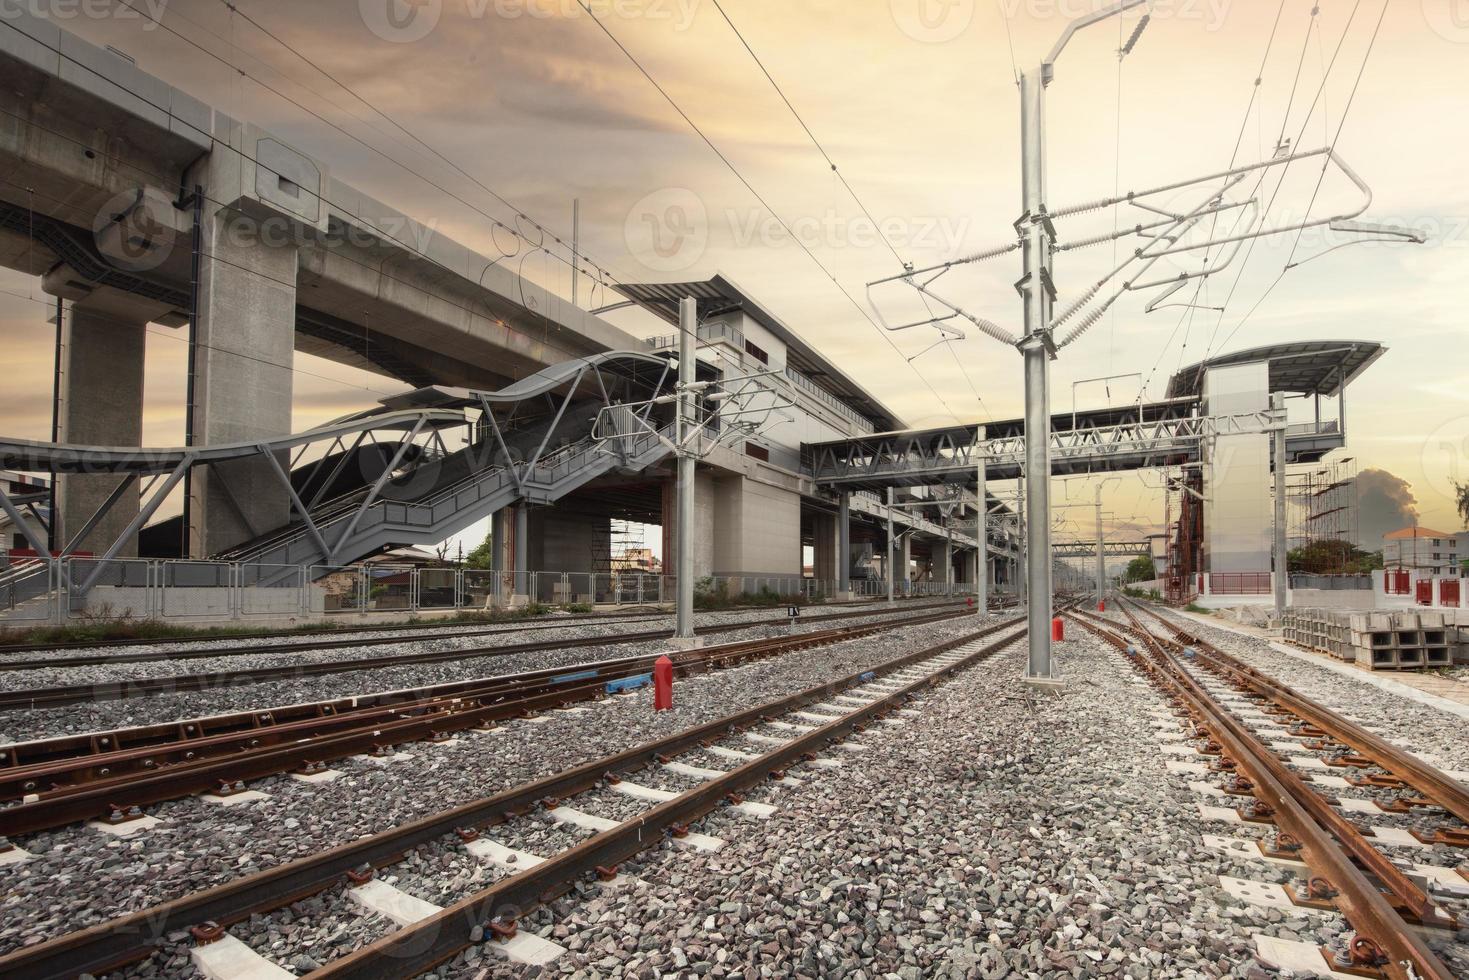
(981, 529)
(890, 566)
(844, 542)
(688, 325)
(1282, 554)
(1036, 289)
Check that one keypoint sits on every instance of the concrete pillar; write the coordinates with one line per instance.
(905, 561)
(943, 562)
(262, 201)
(101, 405)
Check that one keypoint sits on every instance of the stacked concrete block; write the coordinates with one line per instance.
(1398, 640)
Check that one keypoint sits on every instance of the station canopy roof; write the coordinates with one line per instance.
(1314, 367)
(721, 295)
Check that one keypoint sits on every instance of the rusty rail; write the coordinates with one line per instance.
(1305, 826)
(180, 759)
(128, 938)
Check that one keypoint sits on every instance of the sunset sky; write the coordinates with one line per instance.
(915, 103)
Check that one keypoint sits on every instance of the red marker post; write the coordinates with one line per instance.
(1058, 630)
(662, 684)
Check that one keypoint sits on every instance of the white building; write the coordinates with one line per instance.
(1424, 549)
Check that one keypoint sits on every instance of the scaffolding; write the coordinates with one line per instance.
(1323, 518)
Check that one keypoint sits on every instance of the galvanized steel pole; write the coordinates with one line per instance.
(1282, 554)
(688, 325)
(891, 563)
(981, 528)
(1037, 293)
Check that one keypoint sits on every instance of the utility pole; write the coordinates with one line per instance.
(981, 528)
(688, 325)
(1282, 557)
(1037, 293)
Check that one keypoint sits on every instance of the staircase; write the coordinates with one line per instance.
(440, 497)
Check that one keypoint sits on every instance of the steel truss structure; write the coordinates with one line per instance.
(529, 442)
(1147, 436)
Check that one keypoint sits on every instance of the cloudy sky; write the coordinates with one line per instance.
(915, 103)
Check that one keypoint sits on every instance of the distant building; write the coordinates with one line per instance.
(637, 560)
(1423, 549)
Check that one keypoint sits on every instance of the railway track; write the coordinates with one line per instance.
(61, 695)
(108, 775)
(775, 739)
(1350, 869)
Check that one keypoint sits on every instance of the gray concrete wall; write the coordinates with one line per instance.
(562, 541)
(757, 529)
(102, 405)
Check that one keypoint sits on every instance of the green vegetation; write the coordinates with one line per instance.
(710, 595)
(1194, 607)
(1461, 494)
(481, 557)
(1333, 558)
(1152, 594)
(1140, 569)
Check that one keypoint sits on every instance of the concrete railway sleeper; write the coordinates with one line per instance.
(819, 716)
(58, 781)
(59, 696)
(1384, 944)
(1332, 729)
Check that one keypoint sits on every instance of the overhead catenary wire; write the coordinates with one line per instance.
(862, 205)
(739, 175)
(1372, 42)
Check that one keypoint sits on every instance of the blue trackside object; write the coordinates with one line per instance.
(1131, 650)
(864, 678)
(581, 675)
(1190, 653)
(629, 683)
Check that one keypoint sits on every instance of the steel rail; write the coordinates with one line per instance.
(159, 773)
(487, 628)
(1306, 825)
(414, 949)
(1433, 783)
(127, 688)
(128, 938)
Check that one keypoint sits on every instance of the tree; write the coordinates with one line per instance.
(1140, 569)
(1462, 491)
(481, 557)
